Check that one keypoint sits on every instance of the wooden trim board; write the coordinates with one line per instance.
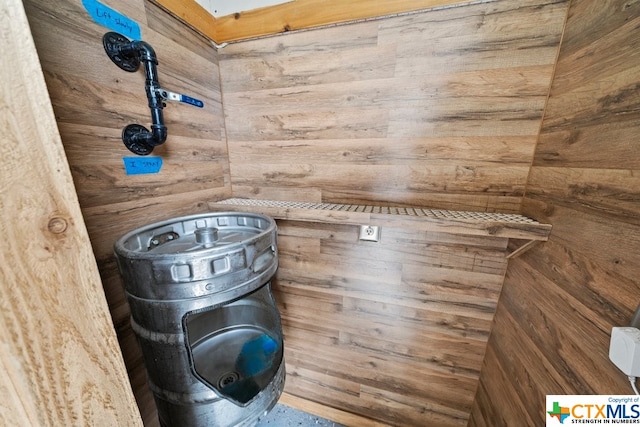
(295, 15)
(192, 14)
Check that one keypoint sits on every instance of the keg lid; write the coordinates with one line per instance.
(215, 255)
(194, 233)
(201, 238)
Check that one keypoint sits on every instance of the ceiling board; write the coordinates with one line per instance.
(219, 8)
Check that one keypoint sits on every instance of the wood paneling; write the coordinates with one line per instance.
(93, 100)
(60, 360)
(437, 109)
(560, 300)
(191, 13)
(394, 330)
(301, 14)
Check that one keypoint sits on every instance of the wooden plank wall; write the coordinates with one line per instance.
(287, 16)
(394, 331)
(561, 299)
(93, 100)
(301, 14)
(60, 360)
(438, 109)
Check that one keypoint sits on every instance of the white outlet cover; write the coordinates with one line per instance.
(369, 233)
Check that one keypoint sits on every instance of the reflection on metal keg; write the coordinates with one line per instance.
(202, 309)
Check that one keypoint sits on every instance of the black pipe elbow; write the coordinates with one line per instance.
(158, 134)
(131, 52)
(128, 55)
(145, 52)
(139, 140)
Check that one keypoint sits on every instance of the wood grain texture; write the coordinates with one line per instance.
(302, 14)
(194, 15)
(437, 109)
(312, 13)
(455, 223)
(395, 330)
(60, 360)
(561, 299)
(93, 100)
(594, 105)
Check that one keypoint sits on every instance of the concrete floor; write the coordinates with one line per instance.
(284, 416)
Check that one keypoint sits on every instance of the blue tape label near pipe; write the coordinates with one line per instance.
(142, 165)
(112, 19)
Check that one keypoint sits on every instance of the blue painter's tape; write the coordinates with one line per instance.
(112, 19)
(142, 165)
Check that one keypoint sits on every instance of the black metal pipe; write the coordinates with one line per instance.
(147, 56)
(128, 55)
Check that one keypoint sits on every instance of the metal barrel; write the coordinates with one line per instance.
(203, 312)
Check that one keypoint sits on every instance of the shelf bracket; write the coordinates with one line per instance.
(523, 248)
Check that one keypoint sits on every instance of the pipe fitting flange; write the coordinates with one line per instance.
(132, 141)
(113, 44)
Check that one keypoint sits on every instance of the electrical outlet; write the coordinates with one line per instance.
(370, 233)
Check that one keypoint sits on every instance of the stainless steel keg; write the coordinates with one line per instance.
(203, 312)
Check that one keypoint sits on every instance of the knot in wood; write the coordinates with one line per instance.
(57, 225)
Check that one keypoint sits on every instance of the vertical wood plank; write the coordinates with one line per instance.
(93, 100)
(60, 359)
(561, 299)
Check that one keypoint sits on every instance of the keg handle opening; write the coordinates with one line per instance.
(263, 260)
(161, 239)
